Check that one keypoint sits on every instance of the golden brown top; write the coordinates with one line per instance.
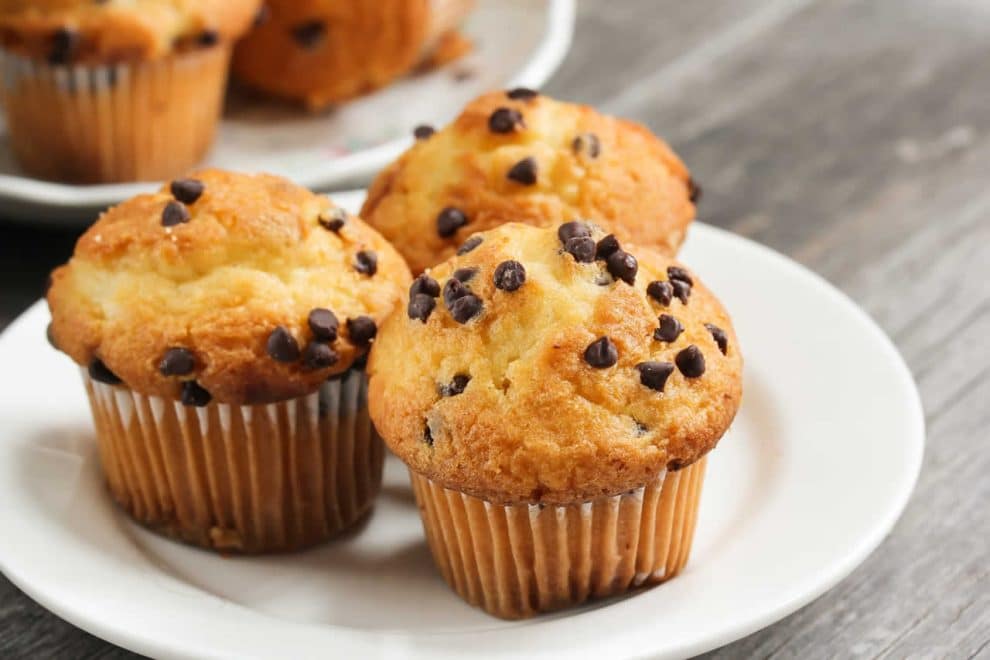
(521, 157)
(212, 282)
(552, 371)
(88, 31)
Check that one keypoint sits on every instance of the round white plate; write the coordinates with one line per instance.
(811, 477)
(517, 43)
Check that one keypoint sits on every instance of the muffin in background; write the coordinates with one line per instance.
(519, 156)
(319, 52)
(221, 325)
(115, 91)
(555, 400)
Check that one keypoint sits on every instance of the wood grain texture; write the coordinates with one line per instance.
(854, 136)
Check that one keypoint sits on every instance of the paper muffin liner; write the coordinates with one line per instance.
(250, 479)
(131, 121)
(515, 561)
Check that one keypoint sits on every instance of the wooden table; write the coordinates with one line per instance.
(854, 136)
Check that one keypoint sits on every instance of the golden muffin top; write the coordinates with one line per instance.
(229, 287)
(519, 156)
(550, 365)
(109, 31)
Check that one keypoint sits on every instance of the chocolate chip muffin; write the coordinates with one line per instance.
(519, 156)
(326, 51)
(221, 325)
(554, 398)
(115, 91)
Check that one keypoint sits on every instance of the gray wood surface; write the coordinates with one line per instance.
(854, 136)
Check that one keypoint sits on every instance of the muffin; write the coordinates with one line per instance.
(320, 52)
(519, 156)
(221, 325)
(554, 400)
(115, 91)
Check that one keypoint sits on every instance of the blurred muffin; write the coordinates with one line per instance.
(115, 91)
(554, 400)
(522, 157)
(221, 325)
(319, 52)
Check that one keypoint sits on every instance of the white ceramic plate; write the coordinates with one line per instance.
(517, 43)
(811, 477)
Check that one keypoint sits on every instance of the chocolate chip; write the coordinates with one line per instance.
(323, 324)
(64, 44)
(469, 245)
(509, 275)
(523, 172)
(694, 190)
(678, 273)
(571, 229)
(310, 34)
(177, 362)
(50, 336)
(582, 248)
(465, 274)
(691, 361)
(264, 13)
(654, 374)
(318, 355)
(670, 329)
(187, 191)
(522, 94)
(682, 290)
(427, 434)
(466, 308)
(641, 430)
(456, 386)
(333, 219)
(366, 262)
(601, 353)
(675, 465)
(453, 290)
(361, 330)
(420, 306)
(102, 374)
(587, 143)
(623, 266)
(193, 394)
(282, 346)
(662, 292)
(174, 213)
(606, 247)
(423, 132)
(718, 334)
(505, 120)
(208, 38)
(424, 284)
(449, 220)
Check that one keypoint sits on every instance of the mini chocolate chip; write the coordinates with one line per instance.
(333, 219)
(522, 94)
(427, 434)
(682, 290)
(421, 306)
(361, 330)
(465, 274)
(654, 374)
(424, 284)
(466, 308)
(282, 346)
(310, 34)
(208, 38)
(449, 220)
(641, 430)
(456, 386)
(318, 355)
(675, 465)
(572, 229)
(662, 292)
(50, 336)
(453, 290)
(423, 132)
(509, 275)
(670, 329)
(505, 120)
(691, 361)
(264, 13)
(718, 334)
(193, 394)
(323, 324)
(174, 213)
(102, 374)
(678, 273)
(587, 143)
(187, 191)
(177, 362)
(469, 245)
(606, 247)
(64, 44)
(623, 266)
(582, 248)
(601, 353)
(694, 191)
(524, 171)
(366, 262)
